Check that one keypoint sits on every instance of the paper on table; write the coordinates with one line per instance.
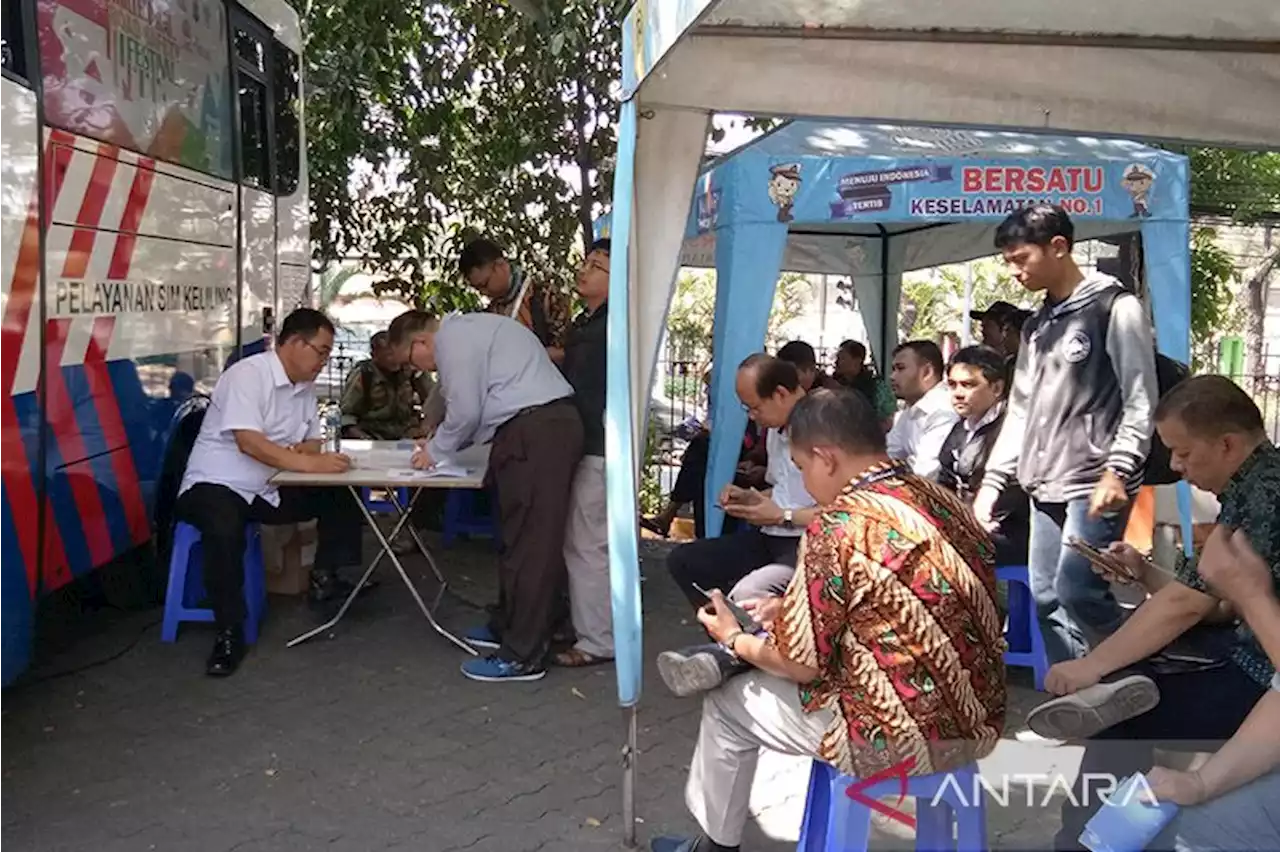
(379, 459)
(440, 471)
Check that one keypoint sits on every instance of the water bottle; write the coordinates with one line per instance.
(332, 429)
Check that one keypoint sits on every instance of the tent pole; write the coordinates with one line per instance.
(886, 358)
(629, 751)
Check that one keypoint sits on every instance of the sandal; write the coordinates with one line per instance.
(652, 525)
(575, 658)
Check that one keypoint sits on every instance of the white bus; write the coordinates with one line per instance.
(155, 223)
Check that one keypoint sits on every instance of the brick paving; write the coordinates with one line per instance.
(370, 740)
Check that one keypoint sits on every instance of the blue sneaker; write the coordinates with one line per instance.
(497, 670)
(482, 637)
(673, 844)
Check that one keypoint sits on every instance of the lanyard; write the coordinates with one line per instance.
(892, 471)
(524, 288)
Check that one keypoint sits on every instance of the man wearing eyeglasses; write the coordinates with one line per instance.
(515, 295)
(263, 418)
(501, 388)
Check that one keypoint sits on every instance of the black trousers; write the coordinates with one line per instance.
(719, 563)
(1198, 711)
(532, 463)
(221, 515)
(691, 484)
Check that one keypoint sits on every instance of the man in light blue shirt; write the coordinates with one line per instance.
(500, 387)
(263, 419)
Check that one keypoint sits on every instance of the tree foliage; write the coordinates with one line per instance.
(1213, 308)
(934, 305)
(693, 309)
(431, 122)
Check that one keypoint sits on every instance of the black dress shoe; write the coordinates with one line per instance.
(228, 651)
(700, 668)
(327, 588)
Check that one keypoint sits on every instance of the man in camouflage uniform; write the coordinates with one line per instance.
(539, 308)
(380, 397)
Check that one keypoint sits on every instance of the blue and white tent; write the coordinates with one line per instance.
(1133, 68)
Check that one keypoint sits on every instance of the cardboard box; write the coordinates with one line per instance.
(289, 552)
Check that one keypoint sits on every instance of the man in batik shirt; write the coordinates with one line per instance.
(885, 651)
(541, 309)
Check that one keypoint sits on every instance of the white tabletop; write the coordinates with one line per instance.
(379, 464)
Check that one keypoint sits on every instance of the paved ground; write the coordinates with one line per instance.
(371, 740)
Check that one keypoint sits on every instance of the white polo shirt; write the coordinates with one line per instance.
(254, 394)
(787, 481)
(919, 432)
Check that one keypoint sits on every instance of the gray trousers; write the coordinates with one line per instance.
(747, 713)
(586, 556)
(771, 580)
(1245, 820)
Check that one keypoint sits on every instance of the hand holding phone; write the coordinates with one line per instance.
(1110, 565)
(744, 619)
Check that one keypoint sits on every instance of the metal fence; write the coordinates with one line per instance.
(1260, 380)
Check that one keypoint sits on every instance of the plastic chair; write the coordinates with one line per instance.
(186, 583)
(384, 506)
(835, 822)
(1026, 644)
(462, 518)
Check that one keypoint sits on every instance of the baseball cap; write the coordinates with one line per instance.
(997, 311)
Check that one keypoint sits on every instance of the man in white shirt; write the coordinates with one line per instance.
(500, 386)
(758, 560)
(263, 419)
(756, 563)
(917, 379)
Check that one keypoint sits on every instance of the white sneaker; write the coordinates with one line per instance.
(1095, 708)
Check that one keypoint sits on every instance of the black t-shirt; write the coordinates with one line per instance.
(585, 359)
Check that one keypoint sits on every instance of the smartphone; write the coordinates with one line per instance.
(1098, 557)
(745, 621)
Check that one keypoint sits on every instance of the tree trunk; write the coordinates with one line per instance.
(1256, 292)
(586, 197)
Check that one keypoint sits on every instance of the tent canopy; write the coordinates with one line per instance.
(873, 201)
(1136, 68)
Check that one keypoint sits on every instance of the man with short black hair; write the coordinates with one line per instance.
(1078, 427)
(979, 377)
(801, 354)
(500, 386)
(1130, 702)
(883, 654)
(263, 419)
(515, 295)
(917, 379)
(586, 538)
(769, 388)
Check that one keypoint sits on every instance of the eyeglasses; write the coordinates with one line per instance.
(324, 354)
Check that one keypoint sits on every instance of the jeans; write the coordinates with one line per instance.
(1075, 605)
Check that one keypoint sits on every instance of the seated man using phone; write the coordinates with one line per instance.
(884, 654)
(769, 389)
(1121, 696)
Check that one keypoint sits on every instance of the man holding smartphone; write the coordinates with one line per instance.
(766, 549)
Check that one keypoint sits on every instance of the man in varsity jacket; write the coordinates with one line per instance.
(1078, 428)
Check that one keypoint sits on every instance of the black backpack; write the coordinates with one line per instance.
(1169, 372)
(1159, 470)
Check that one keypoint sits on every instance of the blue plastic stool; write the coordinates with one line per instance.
(385, 506)
(1026, 644)
(186, 583)
(834, 822)
(462, 518)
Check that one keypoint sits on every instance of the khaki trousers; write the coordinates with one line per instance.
(749, 712)
(586, 556)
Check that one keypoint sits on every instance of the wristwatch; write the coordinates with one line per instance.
(788, 519)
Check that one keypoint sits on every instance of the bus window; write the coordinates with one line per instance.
(13, 44)
(284, 73)
(250, 43)
(255, 158)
